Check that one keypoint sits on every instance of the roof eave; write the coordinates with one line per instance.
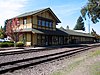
(58, 21)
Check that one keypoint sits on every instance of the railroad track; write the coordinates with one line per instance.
(24, 63)
(22, 50)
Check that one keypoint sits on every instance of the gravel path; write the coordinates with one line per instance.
(75, 65)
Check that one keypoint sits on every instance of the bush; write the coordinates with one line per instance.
(20, 44)
(3, 44)
(11, 44)
(9, 41)
(6, 44)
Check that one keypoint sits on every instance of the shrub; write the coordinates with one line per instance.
(9, 41)
(20, 44)
(0, 44)
(3, 44)
(11, 44)
(6, 44)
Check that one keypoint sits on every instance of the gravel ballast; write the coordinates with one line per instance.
(75, 65)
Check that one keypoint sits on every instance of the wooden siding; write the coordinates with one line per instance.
(32, 21)
(28, 25)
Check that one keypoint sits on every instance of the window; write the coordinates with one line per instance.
(39, 39)
(39, 22)
(43, 23)
(55, 39)
(18, 23)
(61, 39)
(47, 23)
(24, 38)
(50, 24)
(43, 40)
(25, 21)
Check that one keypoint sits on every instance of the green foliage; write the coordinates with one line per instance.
(2, 33)
(69, 68)
(20, 44)
(95, 53)
(5, 25)
(95, 69)
(67, 27)
(97, 37)
(6, 44)
(61, 27)
(11, 44)
(80, 24)
(92, 9)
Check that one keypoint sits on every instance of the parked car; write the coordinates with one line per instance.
(2, 40)
(6, 39)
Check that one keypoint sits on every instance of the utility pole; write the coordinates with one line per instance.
(89, 26)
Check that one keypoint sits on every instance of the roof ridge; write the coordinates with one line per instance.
(72, 32)
(38, 10)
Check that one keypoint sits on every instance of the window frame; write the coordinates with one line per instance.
(39, 22)
(45, 22)
(51, 24)
(24, 20)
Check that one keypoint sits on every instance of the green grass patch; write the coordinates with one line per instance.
(68, 69)
(58, 73)
(95, 69)
(95, 53)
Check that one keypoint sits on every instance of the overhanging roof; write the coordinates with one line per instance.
(46, 32)
(49, 32)
(75, 33)
(57, 32)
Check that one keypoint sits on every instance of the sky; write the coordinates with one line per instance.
(67, 11)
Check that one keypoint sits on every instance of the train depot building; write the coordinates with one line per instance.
(39, 29)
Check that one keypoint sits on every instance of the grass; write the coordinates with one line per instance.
(68, 69)
(58, 73)
(95, 53)
(95, 69)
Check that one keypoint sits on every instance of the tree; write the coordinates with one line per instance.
(80, 24)
(67, 27)
(5, 25)
(12, 30)
(97, 37)
(2, 33)
(61, 27)
(92, 9)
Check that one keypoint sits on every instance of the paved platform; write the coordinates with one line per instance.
(11, 49)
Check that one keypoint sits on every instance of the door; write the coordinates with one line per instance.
(49, 40)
